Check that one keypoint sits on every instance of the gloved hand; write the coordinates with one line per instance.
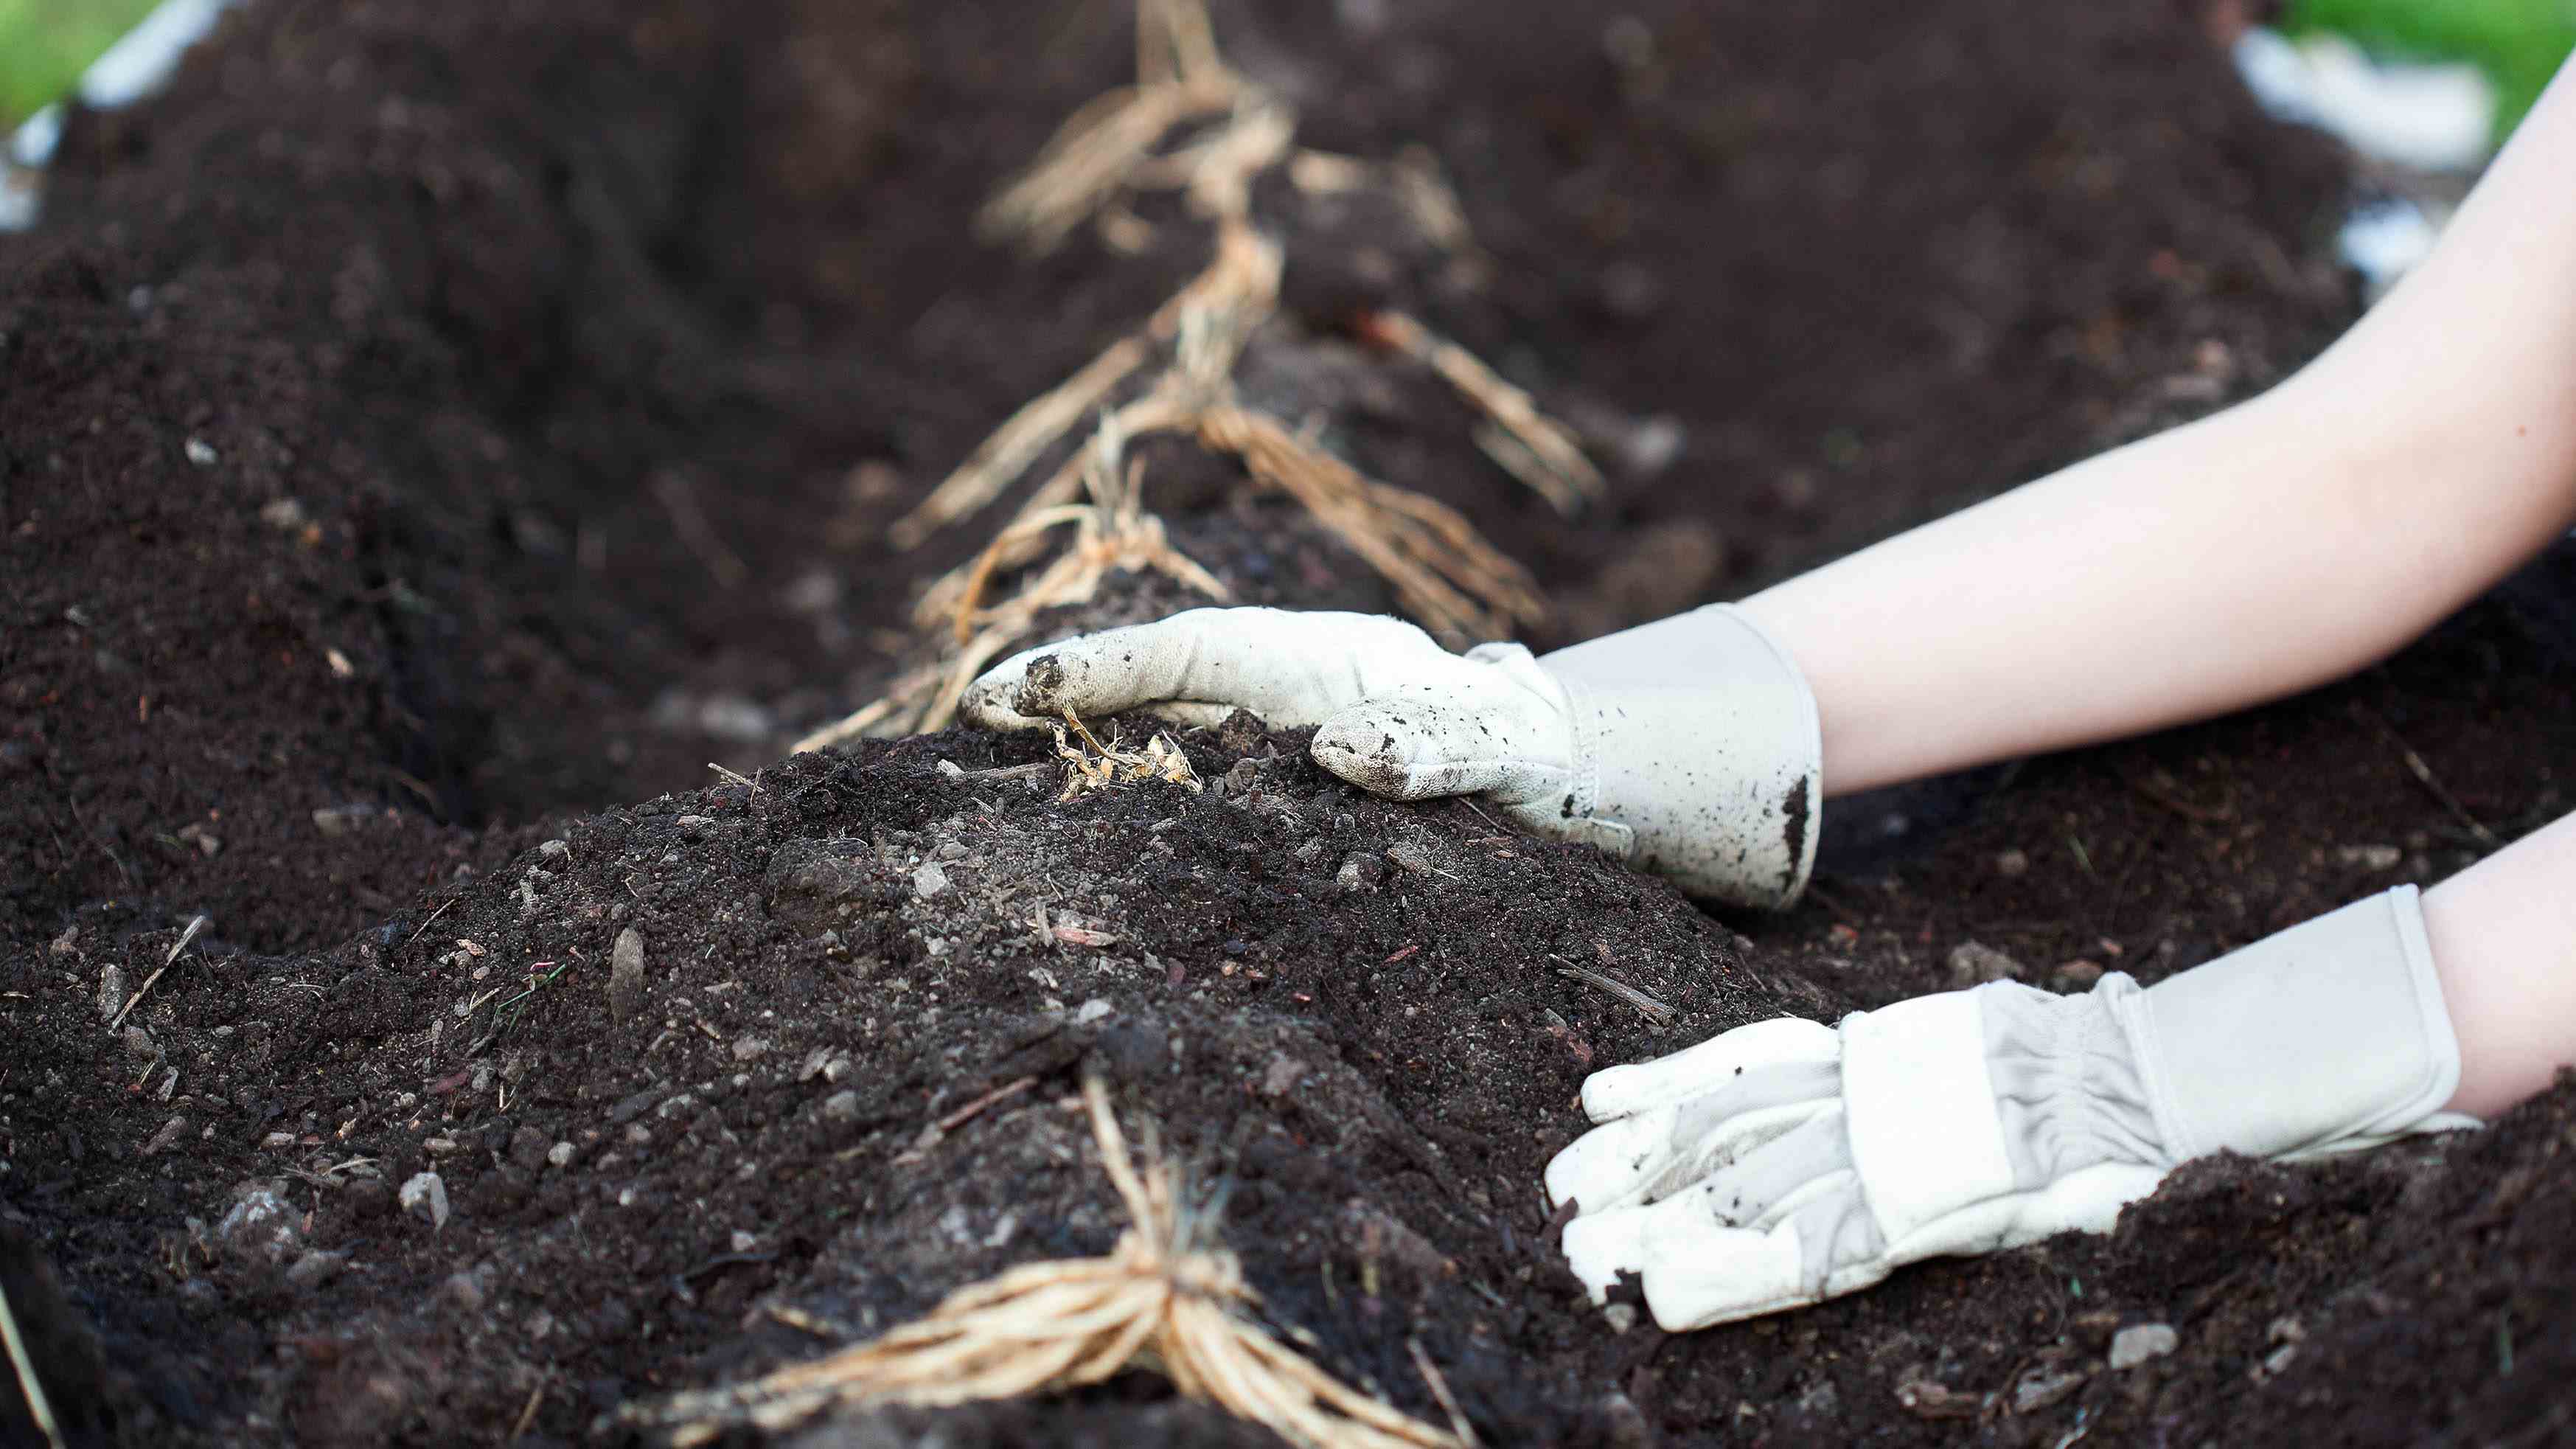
(1787, 1162)
(1687, 747)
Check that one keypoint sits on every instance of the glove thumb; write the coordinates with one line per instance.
(1499, 728)
(1414, 750)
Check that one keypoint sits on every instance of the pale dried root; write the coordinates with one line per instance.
(1166, 1297)
(1443, 573)
(1102, 148)
(1017, 443)
(1239, 285)
(22, 1368)
(1096, 766)
(1529, 445)
(1112, 533)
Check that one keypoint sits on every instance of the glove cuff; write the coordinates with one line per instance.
(1919, 1110)
(1697, 754)
(2328, 1037)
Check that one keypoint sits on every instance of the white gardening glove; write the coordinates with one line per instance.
(1788, 1162)
(1687, 747)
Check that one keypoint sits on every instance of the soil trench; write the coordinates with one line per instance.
(430, 437)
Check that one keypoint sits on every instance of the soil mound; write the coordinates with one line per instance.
(430, 433)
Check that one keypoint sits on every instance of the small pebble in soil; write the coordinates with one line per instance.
(626, 975)
(260, 1227)
(111, 991)
(1931, 1399)
(2043, 1387)
(633, 1105)
(841, 1107)
(2139, 1342)
(1359, 872)
(2012, 863)
(929, 881)
(1281, 1075)
(1412, 857)
(316, 1268)
(561, 1154)
(462, 1291)
(2370, 857)
(425, 1196)
(2077, 975)
(1973, 963)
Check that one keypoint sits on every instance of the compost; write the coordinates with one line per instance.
(432, 435)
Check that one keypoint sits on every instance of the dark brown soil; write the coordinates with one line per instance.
(428, 432)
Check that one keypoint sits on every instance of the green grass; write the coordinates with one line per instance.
(46, 44)
(2518, 43)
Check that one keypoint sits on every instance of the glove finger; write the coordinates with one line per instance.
(1292, 669)
(1190, 714)
(1616, 1092)
(1603, 1247)
(987, 703)
(1407, 749)
(1699, 1272)
(1653, 1154)
(1760, 1187)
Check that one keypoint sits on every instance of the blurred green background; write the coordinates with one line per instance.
(2518, 43)
(45, 43)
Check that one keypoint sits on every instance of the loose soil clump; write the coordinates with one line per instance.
(429, 435)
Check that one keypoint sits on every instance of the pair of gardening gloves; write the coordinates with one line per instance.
(1789, 1161)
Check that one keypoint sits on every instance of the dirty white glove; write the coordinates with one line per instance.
(1688, 747)
(1788, 1162)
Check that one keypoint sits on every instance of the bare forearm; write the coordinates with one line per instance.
(2503, 934)
(2260, 552)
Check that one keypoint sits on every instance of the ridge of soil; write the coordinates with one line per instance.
(430, 433)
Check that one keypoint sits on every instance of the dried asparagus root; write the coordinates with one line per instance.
(1096, 766)
(1168, 1296)
(1443, 572)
